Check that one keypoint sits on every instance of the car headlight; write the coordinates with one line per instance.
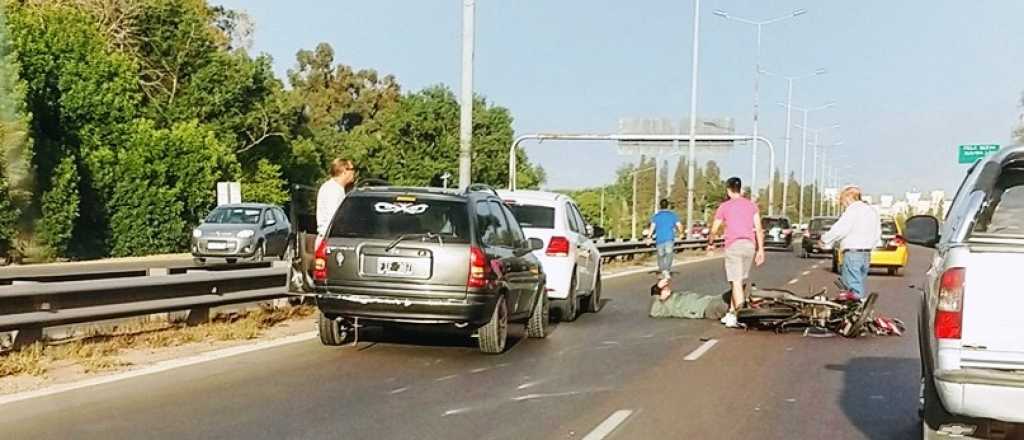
(196, 233)
(246, 233)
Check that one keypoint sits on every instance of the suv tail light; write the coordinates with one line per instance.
(949, 313)
(897, 241)
(477, 268)
(320, 262)
(558, 247)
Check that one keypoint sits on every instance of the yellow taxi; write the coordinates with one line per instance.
(890, 254)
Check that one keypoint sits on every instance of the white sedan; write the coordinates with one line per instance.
(570, 257)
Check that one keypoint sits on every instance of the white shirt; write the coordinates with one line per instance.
(328, 199)
(858, 228)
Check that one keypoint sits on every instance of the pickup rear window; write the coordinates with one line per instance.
(1005, 214)
(390, 217)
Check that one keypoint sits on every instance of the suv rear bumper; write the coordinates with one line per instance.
(980, 393)
(476, 309)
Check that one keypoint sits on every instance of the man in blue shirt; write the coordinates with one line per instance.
(664, 224)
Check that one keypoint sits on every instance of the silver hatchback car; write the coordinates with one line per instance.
(244, 231)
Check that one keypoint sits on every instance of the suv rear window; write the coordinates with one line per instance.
(769, 223)
(540, 217)
(386, 218)
(822, 224)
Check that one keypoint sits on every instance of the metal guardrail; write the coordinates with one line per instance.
(89, 296)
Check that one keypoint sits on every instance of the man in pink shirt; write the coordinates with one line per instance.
(744, 242)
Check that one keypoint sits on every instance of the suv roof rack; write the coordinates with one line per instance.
(482, 188)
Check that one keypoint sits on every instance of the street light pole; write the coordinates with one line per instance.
(691, 158)
(803, 158)
(466, 106)
(757, 75)
(789, 126)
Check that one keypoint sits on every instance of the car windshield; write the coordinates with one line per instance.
(234, 216)
(771, 223)
(541, 217)
(889, 227)
(391, 217)
(822, 224)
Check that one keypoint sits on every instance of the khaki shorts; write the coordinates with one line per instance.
(738, 259)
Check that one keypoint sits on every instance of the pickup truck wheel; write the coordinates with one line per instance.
(494, 334)
(332, 332)
(593, 303)
(835, 264)
(537, 326)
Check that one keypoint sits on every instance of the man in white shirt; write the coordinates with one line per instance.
(858, 231)
(332, 193)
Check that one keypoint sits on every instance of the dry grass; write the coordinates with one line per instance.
(98, 349)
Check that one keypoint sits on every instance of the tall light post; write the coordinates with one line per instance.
(789, 128)
(820, 183)
(694, 64)
(759, 24)
(466, 106)
(803, 155)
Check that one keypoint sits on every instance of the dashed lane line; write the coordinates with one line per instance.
(608, 425)
(696, 354)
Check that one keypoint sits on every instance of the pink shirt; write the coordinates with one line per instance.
(738, 215)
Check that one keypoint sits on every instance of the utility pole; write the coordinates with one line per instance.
(466, 106)
(602, 206)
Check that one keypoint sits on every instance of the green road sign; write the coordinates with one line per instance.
(973, 152)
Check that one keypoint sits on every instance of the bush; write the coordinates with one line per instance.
(265, 185)
(8, 219)
(60, 208)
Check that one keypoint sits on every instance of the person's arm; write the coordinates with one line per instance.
(759, 238)
(712, 232)
(839, 230)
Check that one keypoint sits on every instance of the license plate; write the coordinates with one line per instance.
(216, 245)
(394, 267)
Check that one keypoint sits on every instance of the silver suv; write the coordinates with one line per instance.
(971, 333)
(428, 256)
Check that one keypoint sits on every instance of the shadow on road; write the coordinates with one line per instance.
(880, 396)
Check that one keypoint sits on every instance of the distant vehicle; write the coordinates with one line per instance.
(810, 244)
(242, 232)
(891, 252)
(699, 231)
(570, 256)
(970, 329)
(777, 232)
(398, 255)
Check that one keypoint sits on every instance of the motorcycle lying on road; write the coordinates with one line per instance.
(782, 310)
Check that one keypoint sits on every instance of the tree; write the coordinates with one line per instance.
(8, 218)
(15, 142)
(60, 208)
(265, 185)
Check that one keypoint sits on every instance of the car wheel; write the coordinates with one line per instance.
(835, 264)
(260, 252)
(570, 308)
(537, 326)
(332, 332)
(199, 261)
(494, 334)
(866, 313)
(893, 271)
(593, 303)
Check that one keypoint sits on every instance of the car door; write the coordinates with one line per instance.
(268, 230)
(495, 239)
(302, 220)
(591, 257)
(526, 267)
(578, 236)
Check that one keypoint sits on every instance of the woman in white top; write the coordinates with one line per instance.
(332, 192)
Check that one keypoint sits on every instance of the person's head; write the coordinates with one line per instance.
(849, 194)
(343, 170)
(663, 204)
(734, 187)
(662, 286)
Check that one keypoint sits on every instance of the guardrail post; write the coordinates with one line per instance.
(27, 336)
(198, 315)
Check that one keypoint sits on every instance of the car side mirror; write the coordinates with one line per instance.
(922, 230)
(596, 232)
(536, 244)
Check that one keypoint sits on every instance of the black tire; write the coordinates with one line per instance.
(261, 251)
(537, 326)
(775, 312)
(894, 271)
(332, 333)
(593, 302)
(835, 264)
(494, 335)
(570, 307)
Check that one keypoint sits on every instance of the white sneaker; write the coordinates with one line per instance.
(730, 320)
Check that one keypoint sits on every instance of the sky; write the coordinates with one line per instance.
(912, 79)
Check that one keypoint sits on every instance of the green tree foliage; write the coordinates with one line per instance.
(15, 142)
(265, 185)
(8, 217)
(60, 207)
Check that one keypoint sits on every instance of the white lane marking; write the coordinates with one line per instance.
(608, 425)
(158, 368)
(448, 377)
(794, 281)
(399, 390)
(655, 268)
(805, 273)
(696, 354)
(479, 370)
(527, 385)
(455, 411)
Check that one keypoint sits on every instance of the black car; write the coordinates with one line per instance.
(777, 232)
(397, 255)
(818, 226)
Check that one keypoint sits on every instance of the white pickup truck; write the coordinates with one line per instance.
(971, 323)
